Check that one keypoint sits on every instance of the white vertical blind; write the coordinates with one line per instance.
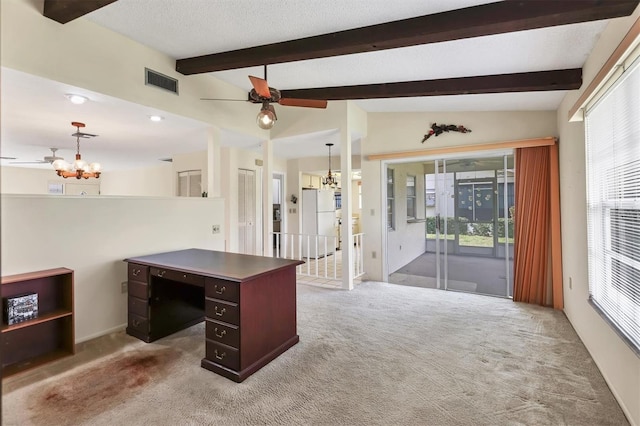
(612, 126)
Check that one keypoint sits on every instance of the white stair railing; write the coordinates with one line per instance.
(318, 252)
(358, 255)
(306, 247)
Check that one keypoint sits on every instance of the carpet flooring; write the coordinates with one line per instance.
(377, 355)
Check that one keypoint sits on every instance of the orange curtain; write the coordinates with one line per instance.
(537, 273)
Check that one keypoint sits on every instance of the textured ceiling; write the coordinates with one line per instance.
(185, 28)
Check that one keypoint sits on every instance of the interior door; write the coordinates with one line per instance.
(246, 211)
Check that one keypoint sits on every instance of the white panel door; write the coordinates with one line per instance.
(246, 211)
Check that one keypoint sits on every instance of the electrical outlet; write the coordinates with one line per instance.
(215, 229)
(123, 287)
(373, 254)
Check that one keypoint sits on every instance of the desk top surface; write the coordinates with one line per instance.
(217, 264)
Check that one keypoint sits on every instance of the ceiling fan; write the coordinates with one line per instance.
(46, 159)
(265, 95)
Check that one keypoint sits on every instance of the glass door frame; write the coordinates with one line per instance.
(442, 231)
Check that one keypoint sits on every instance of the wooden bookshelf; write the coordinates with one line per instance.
(48, 337)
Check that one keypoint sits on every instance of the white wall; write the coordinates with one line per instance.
(408, 240)
(393, 132)
(154, 181)
(92, 236)
(619, 365)
(23, 180)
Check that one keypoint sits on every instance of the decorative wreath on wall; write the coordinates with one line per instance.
(436, 130)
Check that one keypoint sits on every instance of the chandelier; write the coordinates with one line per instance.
(79, 169)
(330, 180)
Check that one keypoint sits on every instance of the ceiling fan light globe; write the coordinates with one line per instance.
(95, 167)
(79, 165)
(60, 165)
(266, 119)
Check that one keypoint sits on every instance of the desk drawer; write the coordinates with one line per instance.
(138, 289)
(183, 277)
(223, 355)
(139, 306)
(220, 289)
(138, 323)
(222, 311)
(138, 272)
(223, 333)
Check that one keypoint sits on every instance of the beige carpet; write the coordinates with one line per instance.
(381, 354)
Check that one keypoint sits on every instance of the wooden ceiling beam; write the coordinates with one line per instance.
(64, 11)
(476, 21)
(568, 79)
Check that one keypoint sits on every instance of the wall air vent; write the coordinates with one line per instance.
(153, 78)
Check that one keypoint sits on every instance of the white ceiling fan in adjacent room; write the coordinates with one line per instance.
(46, 159)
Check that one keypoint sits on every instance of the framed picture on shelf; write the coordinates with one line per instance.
(21, 308)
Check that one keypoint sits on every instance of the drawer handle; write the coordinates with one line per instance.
(222, 311)
(221, 335)
(161, 273)
(136, 323)
(221, 356)
(221, 289)
(136, 272)
(184, 276)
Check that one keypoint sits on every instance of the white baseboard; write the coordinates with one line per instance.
(102, 333)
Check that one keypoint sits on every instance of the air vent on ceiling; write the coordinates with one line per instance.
(153, 78)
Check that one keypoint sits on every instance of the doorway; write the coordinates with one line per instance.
(469, 240)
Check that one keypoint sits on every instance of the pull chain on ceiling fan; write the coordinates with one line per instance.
(265, 95)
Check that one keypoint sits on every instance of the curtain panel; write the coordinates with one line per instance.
(537, 259)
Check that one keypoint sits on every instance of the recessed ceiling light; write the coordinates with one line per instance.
(156, 118)
(76, 99)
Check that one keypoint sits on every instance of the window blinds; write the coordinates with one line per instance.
(612, 126)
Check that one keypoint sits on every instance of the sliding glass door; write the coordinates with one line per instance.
(469, 227)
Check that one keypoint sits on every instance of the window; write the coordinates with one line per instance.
(189, 183)
(411, 197)
(390, 200)
(612, 126)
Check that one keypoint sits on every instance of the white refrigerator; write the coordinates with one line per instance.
(318, 219)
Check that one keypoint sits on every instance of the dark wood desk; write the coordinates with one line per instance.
(248, 302)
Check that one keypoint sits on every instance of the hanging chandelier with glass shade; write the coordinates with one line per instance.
(330, 180)
(79, 168)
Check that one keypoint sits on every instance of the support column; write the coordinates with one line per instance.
(213, 163)
(267, 198)
(347, 209)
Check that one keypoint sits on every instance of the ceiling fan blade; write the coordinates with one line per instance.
(7, 158)
(261, 86)
(223, 99)
(308, 103)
